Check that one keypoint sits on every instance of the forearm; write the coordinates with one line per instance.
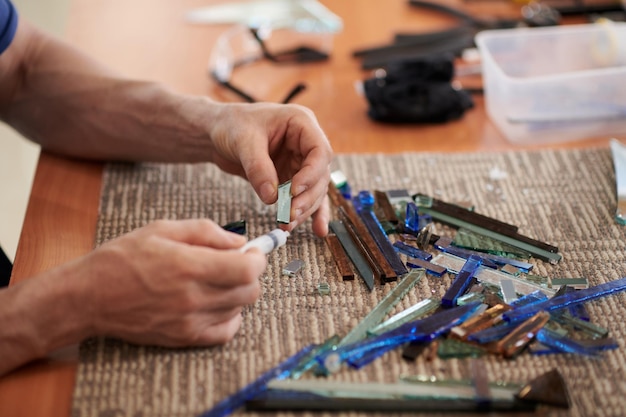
(38, 316)
(72, 105)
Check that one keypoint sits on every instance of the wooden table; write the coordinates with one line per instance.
(149, 39)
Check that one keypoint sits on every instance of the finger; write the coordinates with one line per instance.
(202, 232)
(321, 218)
(305, 204)
(315, 168)
(219, 333)
(220, 268)
(260, 170)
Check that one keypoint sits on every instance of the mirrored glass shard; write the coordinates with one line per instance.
(507, 287)
(461, 282)
(377, 314)
(424, 235)
(618, 152)
(493, 261)
(283, 211)
(490, 276)
(293, 267)
(452, 348)
(513, 343)
(412, 251)
(423, 200)
(431, 268)
(544, 282)
(467, 239)
(565, 300)
(507, 386)
(548, 388)
(414, 312)
(237, 400)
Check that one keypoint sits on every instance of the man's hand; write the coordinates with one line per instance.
(170, 283)
(271, 143)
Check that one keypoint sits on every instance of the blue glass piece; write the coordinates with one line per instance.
(529, 299)
(237, 400)
(412, 251)
(412, 218)
(497, 260)
(382, 241)
(461, 282)
(566, 300)
(578, 310)
(492, 333)
(356, 203)
(422, 330)
(366, 199)
(563, 344)
(346, 191)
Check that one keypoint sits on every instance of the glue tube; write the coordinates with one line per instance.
(268, 242)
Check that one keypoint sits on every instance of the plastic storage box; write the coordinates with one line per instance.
(556, 83)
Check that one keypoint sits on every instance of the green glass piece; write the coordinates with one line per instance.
(578, 283)
(589, 329)
(379, 312)
(452, 348)
(309, 363)
(447, 382)
(412, 313)
(323, 288)
(423, 201)
(467, 239)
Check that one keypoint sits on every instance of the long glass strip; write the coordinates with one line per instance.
(380, 237)
(500, 260)
(467, 239)
(387, 390)
(546, 255)
(488, 318)
(431, 268)
(618, 151)
(565, 300)
(491, 276)
(461, 282)
(308, 362)
(590, 329)
(379, 312)
(353, 253)
(422, 330)
(340, 256)
(412, 251)
(237, 400)
(414, 312)
(563, 344)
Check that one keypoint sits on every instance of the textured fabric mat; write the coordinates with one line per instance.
(566, 198)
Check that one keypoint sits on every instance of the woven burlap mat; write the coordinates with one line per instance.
(566, 198)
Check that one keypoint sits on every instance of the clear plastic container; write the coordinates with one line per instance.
(555, 84)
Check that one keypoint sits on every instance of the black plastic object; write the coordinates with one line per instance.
(417, 91)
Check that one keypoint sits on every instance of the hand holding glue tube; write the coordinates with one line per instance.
(268, 242)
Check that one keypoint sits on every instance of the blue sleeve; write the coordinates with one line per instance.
(8, 24)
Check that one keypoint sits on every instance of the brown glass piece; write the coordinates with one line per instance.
(548, 388)
(384, 206)
(514, 342)
(341, 259)
(488, 318)
(361, 235)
